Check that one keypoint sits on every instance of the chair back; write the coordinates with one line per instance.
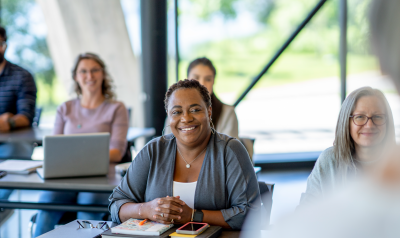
(249, 145)
(129, 114)
(38, 114)
(128, 154)
(266, 192)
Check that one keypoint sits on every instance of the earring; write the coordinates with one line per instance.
(162, 134)
(212, 126)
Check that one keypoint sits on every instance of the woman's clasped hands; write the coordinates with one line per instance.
(169, 210)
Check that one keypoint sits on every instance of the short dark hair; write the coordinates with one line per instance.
(204, 61)
(188, 83)
(3, 33)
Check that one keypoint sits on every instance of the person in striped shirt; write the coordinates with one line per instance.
(17, 102)
(17, 109)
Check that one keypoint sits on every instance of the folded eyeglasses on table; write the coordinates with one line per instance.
(103, 225)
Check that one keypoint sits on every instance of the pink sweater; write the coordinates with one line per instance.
(110, 117)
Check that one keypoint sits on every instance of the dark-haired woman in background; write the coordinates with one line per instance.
(223, 116)
(194, 174)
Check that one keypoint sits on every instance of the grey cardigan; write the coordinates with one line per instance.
(226, 182)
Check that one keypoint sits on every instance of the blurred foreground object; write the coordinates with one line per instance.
(385, 36)
(367, 207)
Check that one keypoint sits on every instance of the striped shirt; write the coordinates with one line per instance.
(17, 91)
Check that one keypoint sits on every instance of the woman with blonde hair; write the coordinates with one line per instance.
(94, 110)
(364, 129)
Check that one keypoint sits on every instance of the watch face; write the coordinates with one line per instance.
(11, 122)
(198, 216)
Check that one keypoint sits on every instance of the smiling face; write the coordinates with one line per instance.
(189, 116)
(204, 75)
(89, 76)
(370, 134)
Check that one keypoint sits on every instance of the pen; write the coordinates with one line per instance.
(142, 222)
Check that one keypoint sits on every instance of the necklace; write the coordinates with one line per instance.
(188, 164)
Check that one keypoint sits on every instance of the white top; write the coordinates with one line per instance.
(185, 191)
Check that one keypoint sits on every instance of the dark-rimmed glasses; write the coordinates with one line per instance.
(361, 120)
(88, 225)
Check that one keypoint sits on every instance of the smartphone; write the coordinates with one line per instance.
(192, 228)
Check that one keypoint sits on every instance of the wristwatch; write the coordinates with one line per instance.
(11, 122)
(198, 216)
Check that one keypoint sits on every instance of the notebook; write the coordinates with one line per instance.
(211, 232)
(132, 227)
(109, 234)
(20, 166)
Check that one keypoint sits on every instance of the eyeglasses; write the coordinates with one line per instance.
(103, 225)
(361, 120)
(92, 71)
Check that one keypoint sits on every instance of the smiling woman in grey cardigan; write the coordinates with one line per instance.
(226, 181)
(171, 180)
(223, 115)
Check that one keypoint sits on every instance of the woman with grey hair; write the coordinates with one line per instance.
(364, 129)
(369, 207)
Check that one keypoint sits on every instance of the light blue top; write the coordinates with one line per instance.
(324, 177)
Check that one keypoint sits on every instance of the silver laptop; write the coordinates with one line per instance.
(77, 155)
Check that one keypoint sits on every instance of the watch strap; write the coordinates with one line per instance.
(198, 216)
(11, 122)
(191, 219)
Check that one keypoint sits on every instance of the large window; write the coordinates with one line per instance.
(27, 47)
(294, 107)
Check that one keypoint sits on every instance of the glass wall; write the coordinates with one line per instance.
(294, 107)
(27, 47)
(358, 43)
